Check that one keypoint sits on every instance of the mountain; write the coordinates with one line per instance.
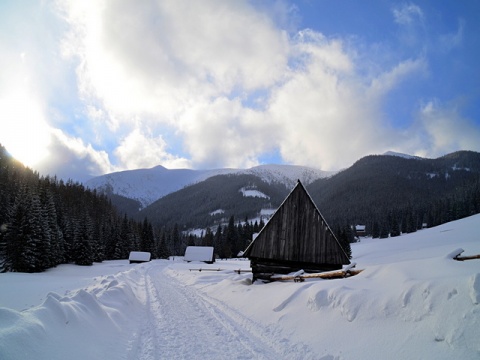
(405, 156)
(215, 200)
(148, 185)
(389, 189)
(389, 192)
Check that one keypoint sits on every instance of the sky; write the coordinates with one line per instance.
(93, 87)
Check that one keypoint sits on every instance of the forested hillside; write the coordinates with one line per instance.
(391, 194)
(45, 222)
(388, 194)
(214, 201)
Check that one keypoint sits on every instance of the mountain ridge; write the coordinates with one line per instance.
(377, 189)
(148, 185)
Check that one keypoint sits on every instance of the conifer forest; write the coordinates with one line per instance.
(46, 222)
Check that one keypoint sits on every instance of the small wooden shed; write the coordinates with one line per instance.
(296, 237)
(139, 257)
(199, 253)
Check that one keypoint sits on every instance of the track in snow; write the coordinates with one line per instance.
(181, 323)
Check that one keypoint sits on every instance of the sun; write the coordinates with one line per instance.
(23, 130)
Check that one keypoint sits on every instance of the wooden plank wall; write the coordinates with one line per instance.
(297, 232)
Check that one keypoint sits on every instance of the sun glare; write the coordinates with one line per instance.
(24, 132)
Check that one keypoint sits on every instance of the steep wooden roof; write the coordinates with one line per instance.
(297, 232)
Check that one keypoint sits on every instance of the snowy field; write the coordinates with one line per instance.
(412, 301)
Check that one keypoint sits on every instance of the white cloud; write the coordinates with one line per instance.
(69, 157)
(390, 79)
(223, 78)
(154, 58)
(330, 115)
(443, 130)
(139, 150)
(224, 133)
(407, 13)
(453, 40)
(412, 25)
(196, 64)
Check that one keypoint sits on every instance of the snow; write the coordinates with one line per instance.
(149, 185)
(402, 155)
(412, 301)
(253, 193)
(267, 212)
(199, 253)
(139, 256)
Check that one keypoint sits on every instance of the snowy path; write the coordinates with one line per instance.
(180, 322)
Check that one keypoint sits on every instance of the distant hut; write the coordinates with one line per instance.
(199, 253)
(139, 257)
(360, 230)
(297, 237)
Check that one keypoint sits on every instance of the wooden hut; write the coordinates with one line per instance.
(296, 237)
(199, 253)
(139, 257)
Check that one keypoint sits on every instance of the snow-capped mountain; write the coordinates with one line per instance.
(402, 155)
(149, 185)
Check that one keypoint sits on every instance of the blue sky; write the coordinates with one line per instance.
(93, 87)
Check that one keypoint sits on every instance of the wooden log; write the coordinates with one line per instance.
(205, 269)
(326, 275)
(462, 258)
(239, 271)
(262, 276)
(287, 267)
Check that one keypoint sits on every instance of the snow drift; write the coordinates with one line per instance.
(412, 301)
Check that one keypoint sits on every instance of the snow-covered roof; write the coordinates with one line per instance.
(199, 253)
(139, 256)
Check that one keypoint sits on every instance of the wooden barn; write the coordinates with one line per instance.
(297, 237)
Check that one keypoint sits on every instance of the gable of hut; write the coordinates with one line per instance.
(297, 237)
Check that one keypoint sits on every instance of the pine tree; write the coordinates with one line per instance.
(22, 233)
(217, 240)
(122, 247)
(83, 252)
(208, 239)
(98, 245)
(162, 251)
(41, 238)
(375, 230)
(231, 239)
(147, 239)
(394, 228)
(191, 240)
(177, 245)
(345, 237)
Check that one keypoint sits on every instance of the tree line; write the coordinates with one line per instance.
(45, 222)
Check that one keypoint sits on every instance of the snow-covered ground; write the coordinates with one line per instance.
(412, 301)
